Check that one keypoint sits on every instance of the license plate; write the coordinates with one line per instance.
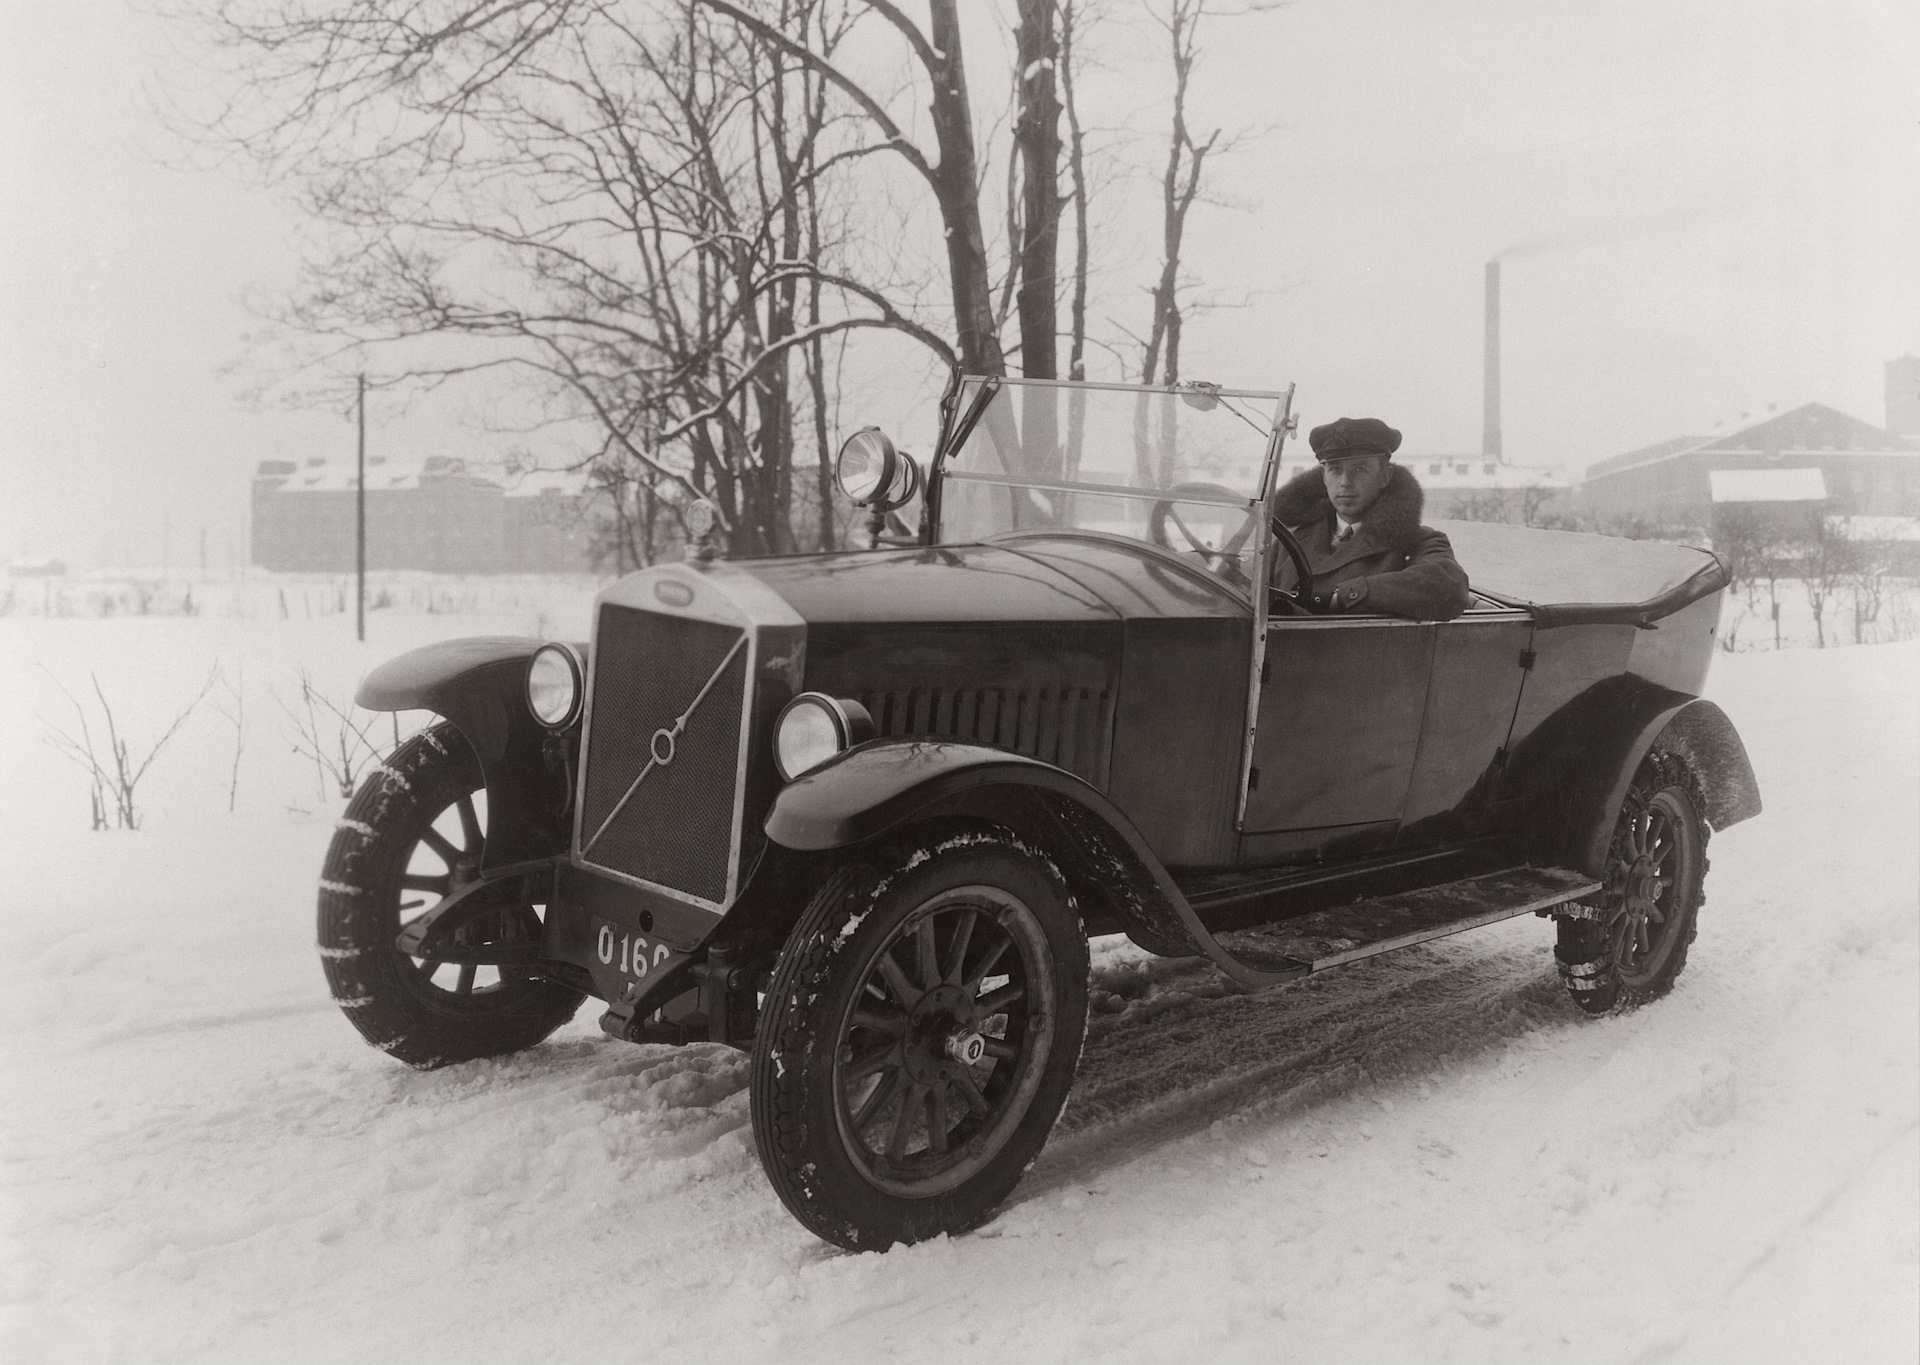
(633, 956)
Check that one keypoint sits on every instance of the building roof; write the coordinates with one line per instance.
(536, 483)
(339, 476)
(1653, 454)
(1767, 485)
(1810, 428)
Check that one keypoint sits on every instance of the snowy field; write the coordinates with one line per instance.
(1426, 1157)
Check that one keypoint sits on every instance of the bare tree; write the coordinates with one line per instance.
(116, 775)
(1180, 184)
(1826, 562)
(1036, 138)
(953, 178)
(1533, 501)
(1075, 16)
(234, 708)
(1760, 548)
(1869, 580)
(326, 732)
(649, 213)
(611, 200)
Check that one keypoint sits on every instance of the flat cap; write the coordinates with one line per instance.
(1353, 436)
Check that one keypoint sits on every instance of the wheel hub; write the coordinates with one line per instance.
(966, 1046)
(940, 1034)
(1641, 879)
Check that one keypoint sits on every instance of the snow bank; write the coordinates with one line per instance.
(1429, 1156)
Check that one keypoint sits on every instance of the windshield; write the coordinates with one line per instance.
(1175, 468)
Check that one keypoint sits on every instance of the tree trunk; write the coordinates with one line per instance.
(1036, 138)
(1077, 176)
(955, 186)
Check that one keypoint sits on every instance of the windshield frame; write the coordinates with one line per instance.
(969, 395)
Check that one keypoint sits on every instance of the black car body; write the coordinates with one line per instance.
(1070, 706)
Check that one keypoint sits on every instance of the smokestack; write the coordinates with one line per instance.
(1490, 438)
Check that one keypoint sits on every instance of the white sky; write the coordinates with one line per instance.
(1728, 192)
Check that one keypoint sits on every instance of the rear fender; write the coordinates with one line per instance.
(1566, 781)
(1114, 876)
(480, 685)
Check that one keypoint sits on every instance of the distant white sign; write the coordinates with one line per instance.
(1767, 485)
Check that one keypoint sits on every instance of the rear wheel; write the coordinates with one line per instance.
(413, 833)
(1628, 947)
(918, 1039)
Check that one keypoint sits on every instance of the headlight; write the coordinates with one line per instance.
(873, 474)
(813, 728)
(555, 686)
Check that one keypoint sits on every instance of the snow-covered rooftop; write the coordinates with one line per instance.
(1767, 485)
(338, 476)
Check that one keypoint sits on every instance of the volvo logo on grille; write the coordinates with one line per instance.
(667, 736)
(673, 592)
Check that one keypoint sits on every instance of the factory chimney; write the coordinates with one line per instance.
(1490, 439)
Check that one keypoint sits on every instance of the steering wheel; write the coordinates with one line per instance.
(1300, 601)
(1223, 560)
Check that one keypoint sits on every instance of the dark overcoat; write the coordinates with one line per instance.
(1392, 564)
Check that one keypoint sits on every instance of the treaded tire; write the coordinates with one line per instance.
(400, 1006)
(871, 1122)
(1633, 943)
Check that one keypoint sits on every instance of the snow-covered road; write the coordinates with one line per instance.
(1425, 1157)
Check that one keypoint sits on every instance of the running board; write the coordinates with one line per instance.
(1293, 948)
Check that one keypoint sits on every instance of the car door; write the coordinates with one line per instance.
(1336, 735)
(1479, 662)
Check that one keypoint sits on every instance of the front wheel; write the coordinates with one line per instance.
(412, 834)
(1628, 948)
(919, 1037)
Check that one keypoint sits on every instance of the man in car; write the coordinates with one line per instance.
(1358, 518)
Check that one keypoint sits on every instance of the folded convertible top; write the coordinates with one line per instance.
(1570, 578)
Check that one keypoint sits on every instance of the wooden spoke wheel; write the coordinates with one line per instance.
(1649, 905)
(918, 1039)
(412, 834)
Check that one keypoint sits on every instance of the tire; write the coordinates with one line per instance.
(412, 832)
(919, 1037)
(1629, 947)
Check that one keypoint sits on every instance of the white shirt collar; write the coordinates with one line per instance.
(1345, 526)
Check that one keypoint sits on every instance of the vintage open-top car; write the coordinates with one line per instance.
(859, 812)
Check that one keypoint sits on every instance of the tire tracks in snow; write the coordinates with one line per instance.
(1162, 1073)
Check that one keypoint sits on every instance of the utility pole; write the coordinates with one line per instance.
(360, 523)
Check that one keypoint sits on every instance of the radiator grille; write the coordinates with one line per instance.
(676, 829)
(1063, 725)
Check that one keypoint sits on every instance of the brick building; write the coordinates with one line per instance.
(1861, 469)
(436, 516)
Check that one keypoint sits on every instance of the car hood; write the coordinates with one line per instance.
(1029, 578)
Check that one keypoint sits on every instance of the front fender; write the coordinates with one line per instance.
(1569, 778)
(885, 784)
(480, 685)
(415, 681)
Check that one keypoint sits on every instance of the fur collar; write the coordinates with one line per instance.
(1394, 520)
